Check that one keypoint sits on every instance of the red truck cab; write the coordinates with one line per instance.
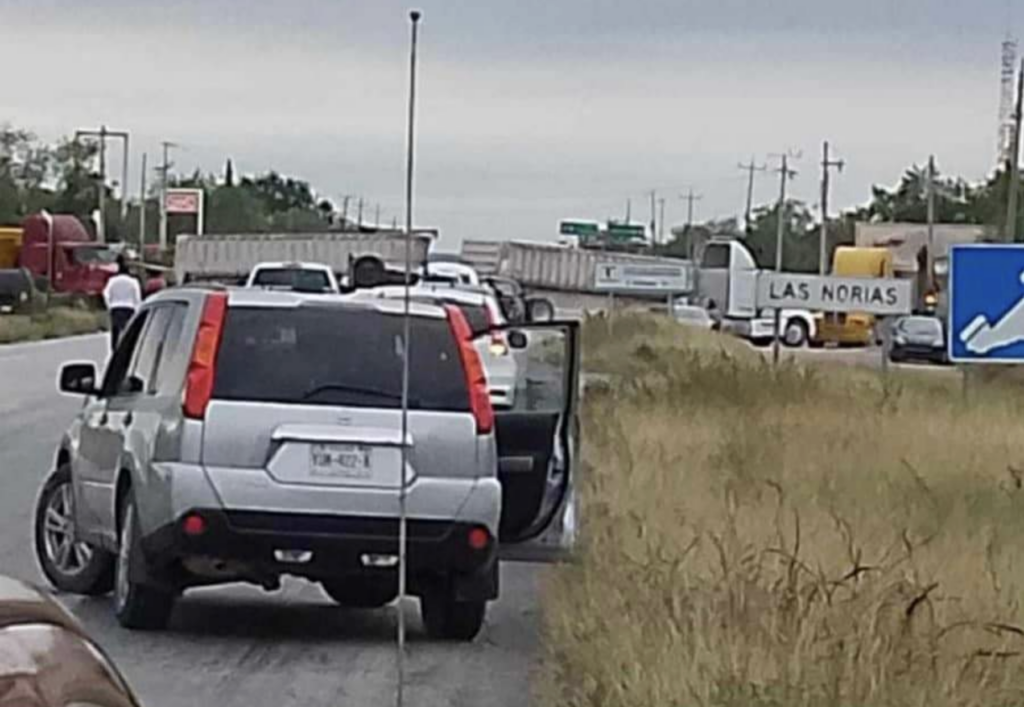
(80, 264)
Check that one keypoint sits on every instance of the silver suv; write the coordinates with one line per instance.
(243, 435)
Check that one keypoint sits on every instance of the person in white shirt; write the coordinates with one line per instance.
(122, 296)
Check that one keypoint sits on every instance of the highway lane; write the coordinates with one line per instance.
(237, 646)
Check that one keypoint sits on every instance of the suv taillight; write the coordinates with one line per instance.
(202, 365)
(499, 345)
(476, 379)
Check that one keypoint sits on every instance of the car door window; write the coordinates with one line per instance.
(117, 370)
(171, 343)
(158, 340)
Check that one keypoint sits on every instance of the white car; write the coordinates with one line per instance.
(482, 312)
(460, 273)
(297, 277)
(692, 315)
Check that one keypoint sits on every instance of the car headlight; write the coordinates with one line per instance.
(900, 341)
(23, 296)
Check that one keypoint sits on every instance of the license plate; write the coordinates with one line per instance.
(341, 461)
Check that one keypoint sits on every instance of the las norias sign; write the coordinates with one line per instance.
(884, 296)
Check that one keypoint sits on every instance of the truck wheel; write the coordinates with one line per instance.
(448, 619)
(360, 593)
(795, 334)
(136, 606)
(69, 564)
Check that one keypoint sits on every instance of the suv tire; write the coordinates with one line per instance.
(70, 566)
(136, 606)
(360, 593)
(449, 619)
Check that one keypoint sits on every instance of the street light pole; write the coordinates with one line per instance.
(403, 529)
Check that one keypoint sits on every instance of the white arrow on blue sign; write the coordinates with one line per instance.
(986, 303)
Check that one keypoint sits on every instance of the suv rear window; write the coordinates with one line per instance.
(298, 279)
(317, 355)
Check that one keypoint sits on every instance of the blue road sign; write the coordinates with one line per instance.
(986, 304)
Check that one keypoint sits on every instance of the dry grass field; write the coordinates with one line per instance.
(804, 536)
(50, 324)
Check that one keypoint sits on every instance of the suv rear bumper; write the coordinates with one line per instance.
(336, 545)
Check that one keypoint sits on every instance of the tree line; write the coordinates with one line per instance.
(956, 201)
(63, 178)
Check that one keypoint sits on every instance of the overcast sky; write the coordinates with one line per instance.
(530, 110)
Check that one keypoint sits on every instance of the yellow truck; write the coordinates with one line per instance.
(853, 328)
(10, 246)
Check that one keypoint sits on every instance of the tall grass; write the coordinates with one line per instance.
(50, 324)
(799, 536)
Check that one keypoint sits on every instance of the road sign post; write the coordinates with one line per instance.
(879, 296)
(986, 304)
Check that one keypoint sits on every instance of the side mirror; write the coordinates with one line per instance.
(78, 379)
(539, 310)
(518, 340)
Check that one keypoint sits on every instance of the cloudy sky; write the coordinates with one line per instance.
(531, 110)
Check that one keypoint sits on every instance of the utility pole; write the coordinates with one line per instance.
(751, 169)
(165, 170)
(930, 255)
(785, 175)
(344, 211)
(1011, 201)
(629, 208)
(690, 197)
(376, 221)
(142, 205)
(661, 226)
(102, 134)
(826, 165)
(654, 216)
(360, 212)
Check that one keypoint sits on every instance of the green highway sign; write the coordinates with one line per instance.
(579, 228)
(626, 230)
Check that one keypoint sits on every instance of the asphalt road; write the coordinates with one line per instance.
(237, 646)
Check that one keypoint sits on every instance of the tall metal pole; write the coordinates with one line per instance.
(142, 206)
(414, 17)
(124, 184)
(826, 165)
(101, 222)
(360, 212)
(930, 255)
(1011, 201)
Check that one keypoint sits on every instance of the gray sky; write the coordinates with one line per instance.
(530, 110)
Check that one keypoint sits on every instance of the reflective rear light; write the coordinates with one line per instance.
(193, 525)
(478, 538)
(202, 366)
(499, 346)
(476, 380)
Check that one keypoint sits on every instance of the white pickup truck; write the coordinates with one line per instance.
(727, 285)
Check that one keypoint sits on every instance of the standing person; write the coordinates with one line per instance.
(122, 296)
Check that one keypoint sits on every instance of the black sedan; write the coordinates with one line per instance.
(918, 338)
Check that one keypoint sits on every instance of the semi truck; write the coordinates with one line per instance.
(59, 253)
(727, 286)
(853, 328)
(230, 257)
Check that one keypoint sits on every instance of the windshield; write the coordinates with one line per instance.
(93, 255)
(299, 279)
(333, 356)
(920, 326)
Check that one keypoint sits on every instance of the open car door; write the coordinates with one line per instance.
(538, 439)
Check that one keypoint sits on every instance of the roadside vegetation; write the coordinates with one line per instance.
(52, 323)
(794, 537)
